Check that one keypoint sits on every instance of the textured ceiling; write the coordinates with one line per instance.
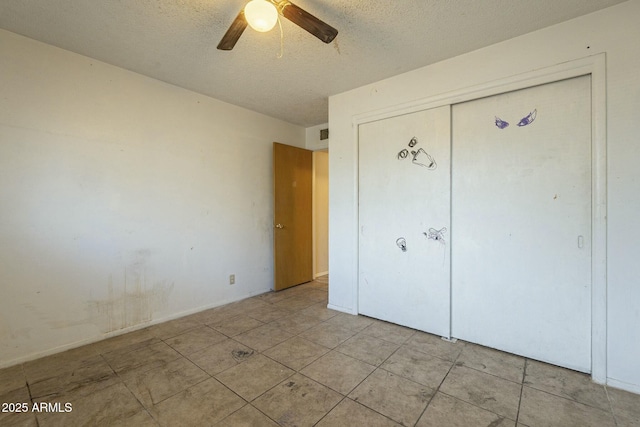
(175, 41)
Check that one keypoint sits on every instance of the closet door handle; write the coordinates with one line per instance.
(580, 242)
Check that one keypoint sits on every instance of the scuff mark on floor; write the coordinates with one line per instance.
(240, 355)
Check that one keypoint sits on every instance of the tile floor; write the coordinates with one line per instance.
(285, 359)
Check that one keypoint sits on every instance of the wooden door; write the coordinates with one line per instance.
(521, 212)
(293, 240)
(404, 220)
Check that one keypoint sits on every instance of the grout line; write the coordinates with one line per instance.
(606, 392)
(365, 406)
(271, 388)
(334, 406)
(346, 396)
(254, 407)
(524, 375)
(479, 407)
(453, 364)
(490, 374)
(437, 389)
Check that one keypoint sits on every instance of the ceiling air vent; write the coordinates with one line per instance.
(324, 134)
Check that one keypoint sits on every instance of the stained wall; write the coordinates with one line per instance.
(124, 201)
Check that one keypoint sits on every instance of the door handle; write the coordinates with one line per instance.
(580, 242)
(279, 226)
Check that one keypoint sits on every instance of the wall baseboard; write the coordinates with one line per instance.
(341, 309)
(70, 346)
(632, 388)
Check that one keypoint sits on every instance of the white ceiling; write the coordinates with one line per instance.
(175, 41)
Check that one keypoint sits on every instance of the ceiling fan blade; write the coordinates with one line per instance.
(307, 21)
(234, 32)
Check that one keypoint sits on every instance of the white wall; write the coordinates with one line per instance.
(123, 200)
(313, 141)
(614, 31)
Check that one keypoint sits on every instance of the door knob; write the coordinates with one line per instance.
(279, 226)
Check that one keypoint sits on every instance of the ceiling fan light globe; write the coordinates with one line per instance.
(261, 15)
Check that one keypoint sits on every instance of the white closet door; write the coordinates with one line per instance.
(404, 216)
(521, 208)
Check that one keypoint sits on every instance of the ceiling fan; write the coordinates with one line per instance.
(262, 16)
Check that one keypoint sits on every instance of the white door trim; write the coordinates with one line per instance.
(596, 67)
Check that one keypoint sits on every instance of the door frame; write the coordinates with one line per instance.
(595, 66)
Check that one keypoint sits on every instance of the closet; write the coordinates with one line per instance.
(475, 221)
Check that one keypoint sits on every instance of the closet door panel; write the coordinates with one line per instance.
(521, 215)
(404, 219)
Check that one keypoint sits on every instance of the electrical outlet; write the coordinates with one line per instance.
(232, 279)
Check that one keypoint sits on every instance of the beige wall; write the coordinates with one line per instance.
(124, 200)
(321, 212)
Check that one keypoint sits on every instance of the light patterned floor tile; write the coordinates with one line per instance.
(451, 412)
(237, 325)
(105, 407)
(328, 335)
(319, 311)
(154, 386)
(255, 376)
(351, 322)
(296, 323)
(297, 401)
(398, 398)
(494, 362)
(417, 366)
(368, 349)
(195, 339)
(483, 390)
(202, 404)
(221, 356)
(389, 332)
(296, 353)
(268, 314)
(161, 375)
(352, 413)
(263, 337)
(626, 407)
(248, 416)
(175, 327)
(435, 346)
(566, 383)
(88, 377)
(338, 371)
(542, 409)
(12, 378)
(142, 359)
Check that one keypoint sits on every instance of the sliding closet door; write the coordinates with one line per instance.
(404, 215)
(521, 208)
